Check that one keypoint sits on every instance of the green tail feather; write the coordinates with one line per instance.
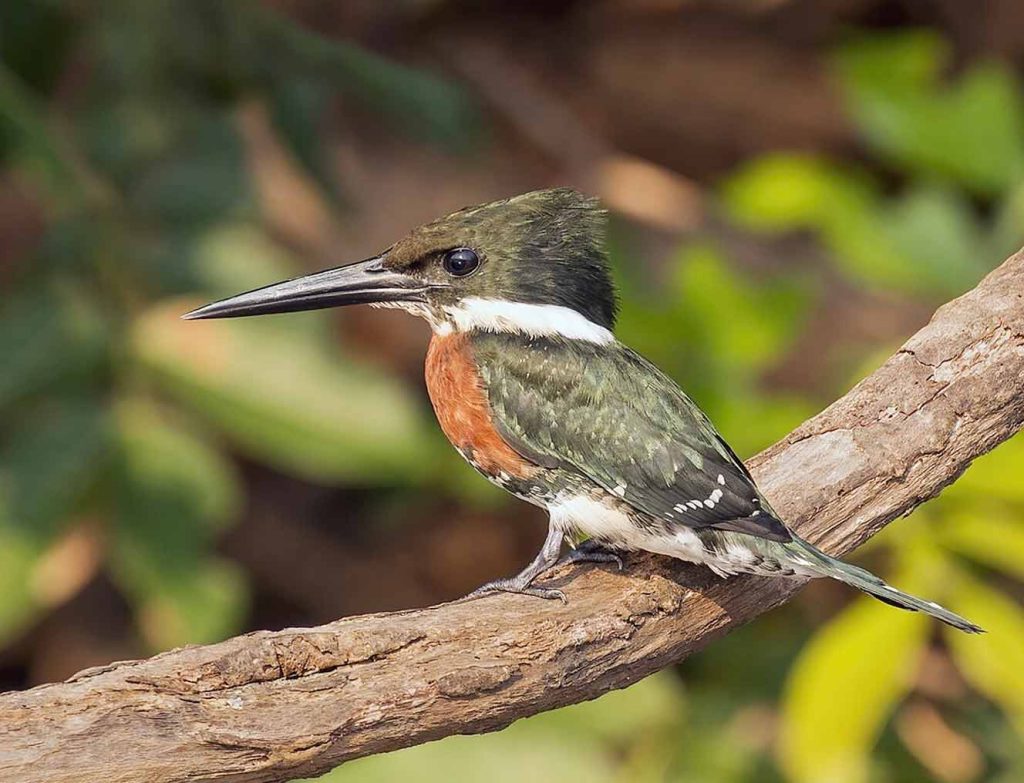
(812, 557)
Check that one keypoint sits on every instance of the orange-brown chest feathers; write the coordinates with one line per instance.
(463, 411)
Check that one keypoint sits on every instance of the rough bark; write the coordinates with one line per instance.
(271, 706)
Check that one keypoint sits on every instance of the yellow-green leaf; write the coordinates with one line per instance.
(18, 555)
(173, 493)
(841, 691)
(782, 192)
(989, 536)
(993, 476)
(285, 398)
(204, 605)
(994, 662)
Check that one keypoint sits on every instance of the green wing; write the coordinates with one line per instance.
(604, 412)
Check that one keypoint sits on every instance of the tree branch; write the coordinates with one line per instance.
(271, 706)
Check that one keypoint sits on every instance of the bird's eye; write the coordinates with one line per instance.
(460, 262)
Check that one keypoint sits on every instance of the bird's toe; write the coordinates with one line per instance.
(591, 552)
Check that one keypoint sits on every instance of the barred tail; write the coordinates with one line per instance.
(817, 561)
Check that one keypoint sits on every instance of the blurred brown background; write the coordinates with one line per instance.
(831, 171)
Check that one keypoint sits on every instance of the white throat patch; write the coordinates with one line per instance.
(417, 309)
(498, 315)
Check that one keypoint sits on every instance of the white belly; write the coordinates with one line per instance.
(605, 521)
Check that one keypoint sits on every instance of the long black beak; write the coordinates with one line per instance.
(365, 282)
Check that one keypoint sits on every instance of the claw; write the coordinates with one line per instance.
(518, 586)
(591, 552)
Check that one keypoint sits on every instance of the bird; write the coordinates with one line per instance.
(530, 384)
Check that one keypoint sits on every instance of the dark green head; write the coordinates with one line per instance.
(544, 248)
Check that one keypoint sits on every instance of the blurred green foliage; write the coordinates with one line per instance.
(960, 147)
(966, 133)
(112, 410)
(960, 143)
(109, 407)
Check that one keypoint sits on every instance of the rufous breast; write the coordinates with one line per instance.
(462, 409)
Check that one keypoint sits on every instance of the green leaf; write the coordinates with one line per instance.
(50, 458)
(762, 319)
(50, 336)
(994, 662)
(788, 191)
(206, 604)
(866, 251)
(936, 231)
(969, 132)
(284, 397)
(122, 134)
(18, 556)
(753, 419)
(173, 495)
(993, 476)
(927, 242)
(174, 492)
(988, 535)
(1008, 229)
(892, 64)
(841, 691)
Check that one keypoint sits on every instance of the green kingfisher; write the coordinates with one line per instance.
(531, 386)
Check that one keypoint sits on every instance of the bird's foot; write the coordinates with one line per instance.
(591, 551)
(522, 582)
(517, 584)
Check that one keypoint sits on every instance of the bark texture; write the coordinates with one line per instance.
(272, 706)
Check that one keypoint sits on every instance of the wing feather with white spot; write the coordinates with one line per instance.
(608, 414)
